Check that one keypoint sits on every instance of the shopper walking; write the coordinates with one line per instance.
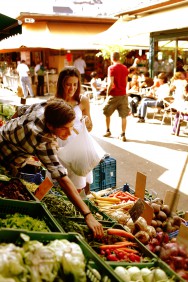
(116, 94)
(25, 81)
(80, 64)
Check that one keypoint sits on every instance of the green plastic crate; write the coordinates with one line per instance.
(34, 209)
(157, 263)
(92, 259)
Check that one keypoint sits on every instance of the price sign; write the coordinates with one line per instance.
(43, 188)
(136, 211)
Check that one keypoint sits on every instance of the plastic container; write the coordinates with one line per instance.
(93, 261)
(104, 174)
(36, 178)
(34, 209)
(158, 263)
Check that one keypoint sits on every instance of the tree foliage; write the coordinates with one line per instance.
(106, 52)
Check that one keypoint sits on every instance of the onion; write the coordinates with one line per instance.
(122, 273)
(159, 275)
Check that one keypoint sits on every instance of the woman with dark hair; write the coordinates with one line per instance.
(69, 89)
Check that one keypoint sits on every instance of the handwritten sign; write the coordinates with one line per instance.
(136, 211)
(140, 185)
(43, 188)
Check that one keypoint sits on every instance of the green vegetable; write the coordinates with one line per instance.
(21, 221)
(4, 177)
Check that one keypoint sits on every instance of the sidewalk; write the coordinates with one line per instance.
(150, 149)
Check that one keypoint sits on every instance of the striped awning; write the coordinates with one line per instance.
(9, 26)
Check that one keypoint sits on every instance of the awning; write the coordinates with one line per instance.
(136, 33)
(67, 36)
(9, 27)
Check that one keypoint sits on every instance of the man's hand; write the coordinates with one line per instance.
(94, 225)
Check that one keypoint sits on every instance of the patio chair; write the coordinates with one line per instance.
(168, 110)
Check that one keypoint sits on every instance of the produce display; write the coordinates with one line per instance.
(145, 274)
(21, 221)
(13, 188)
(34, 261)
(133, 249)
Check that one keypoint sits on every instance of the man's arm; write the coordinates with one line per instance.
(73, 195)
(110, 84)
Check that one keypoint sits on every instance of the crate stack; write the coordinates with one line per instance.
(104, 174)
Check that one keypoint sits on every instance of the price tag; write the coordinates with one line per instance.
(136, 211)
(43, 188)
(140, 185)
(182, 235)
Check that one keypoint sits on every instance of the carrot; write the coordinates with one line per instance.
(120, 232)
(134, 198)
(105, 247)
(123, 243)
(128, 250)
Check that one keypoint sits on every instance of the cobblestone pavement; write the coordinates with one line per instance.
(150, 149)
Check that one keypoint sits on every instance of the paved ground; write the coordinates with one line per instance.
(150, 149)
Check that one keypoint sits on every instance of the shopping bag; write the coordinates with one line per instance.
(82, 154)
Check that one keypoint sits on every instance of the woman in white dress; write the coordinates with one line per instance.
(69, 89)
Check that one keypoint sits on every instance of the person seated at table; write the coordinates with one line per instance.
(132, 71)
(155, 97)
(147, 81)
(177, 86)
(97, 85)
(182, 113)
(132, 90)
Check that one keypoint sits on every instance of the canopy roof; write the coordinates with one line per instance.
(136, 33)
(54, 35)
(9, 27)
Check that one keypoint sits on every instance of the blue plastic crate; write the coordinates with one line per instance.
(108, 173)
(104, 175)
(95, 186)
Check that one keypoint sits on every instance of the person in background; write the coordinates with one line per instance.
(45, 122)
(40, 72)
(132, 71)
(116, 98)
(32, 72)
(182, 113)
(133, 90)
(97, 86)
(155, 97)
(136, 62)
(25, 81)
(68, 89)
(147, 81)
(80, 64)
(177, 86)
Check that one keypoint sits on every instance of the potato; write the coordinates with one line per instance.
(165, 209)
(156, 208)
(161, 216)
(177, 220)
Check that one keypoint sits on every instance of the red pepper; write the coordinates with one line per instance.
(120, 255)
(107, 252)
(134, 258)
(112, 258)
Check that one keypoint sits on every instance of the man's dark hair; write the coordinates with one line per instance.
(58, 113)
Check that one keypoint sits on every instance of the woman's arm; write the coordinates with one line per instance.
(85, 107)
